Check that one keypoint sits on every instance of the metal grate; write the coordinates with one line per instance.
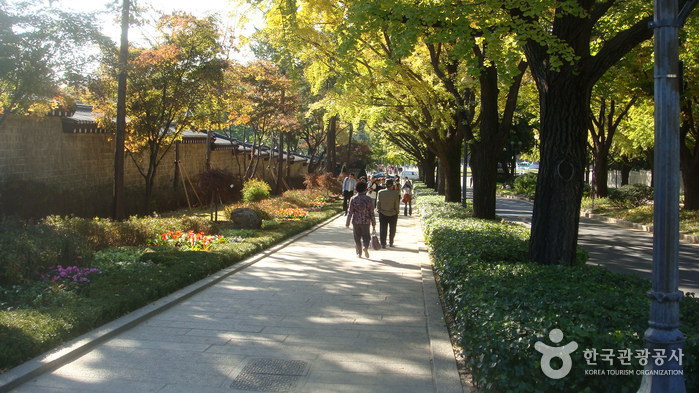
(270, 375)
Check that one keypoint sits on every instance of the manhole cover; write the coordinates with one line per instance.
(270, 375)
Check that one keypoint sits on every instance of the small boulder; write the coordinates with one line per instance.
(245, 218)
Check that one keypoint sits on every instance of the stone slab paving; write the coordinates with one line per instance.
(312, 317)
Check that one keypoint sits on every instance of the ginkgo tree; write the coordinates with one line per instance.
(569, 45)
(689, 129)
(613, 97)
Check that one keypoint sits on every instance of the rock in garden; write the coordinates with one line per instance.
(245, 218)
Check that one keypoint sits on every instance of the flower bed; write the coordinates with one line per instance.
(188, 241)
(290, 213)
(37, 314)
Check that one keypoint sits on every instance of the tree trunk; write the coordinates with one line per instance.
(689, 158)
(650, 157)
(427, 171)
(484, 167)
(349, 146)
(332, 133)
(280, 165)
(690, 178)
(564, 120)
(440, 177)
(625, 173)
(150, 179)
(118, 191)
(450, 170)
(601, 174)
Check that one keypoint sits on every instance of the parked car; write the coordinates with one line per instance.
(410, 175)
(381, 174)
(523, 166)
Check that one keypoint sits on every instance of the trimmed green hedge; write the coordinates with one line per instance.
(502, 305)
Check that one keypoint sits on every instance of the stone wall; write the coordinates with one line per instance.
(44, 170)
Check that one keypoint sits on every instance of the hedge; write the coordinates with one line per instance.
(502, 304)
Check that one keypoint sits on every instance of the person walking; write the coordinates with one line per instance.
(374, 188)
(388, 206)
(361, 215)
(348, 186)
(407, 191)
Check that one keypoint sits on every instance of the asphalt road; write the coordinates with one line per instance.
(617, 248)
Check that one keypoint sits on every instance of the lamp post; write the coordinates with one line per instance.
(663, 335)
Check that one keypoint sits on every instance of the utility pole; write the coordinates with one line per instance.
(118, 190)
(663, 335)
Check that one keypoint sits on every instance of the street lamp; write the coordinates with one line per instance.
(663, 334)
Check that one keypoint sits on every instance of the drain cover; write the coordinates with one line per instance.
(270, 375)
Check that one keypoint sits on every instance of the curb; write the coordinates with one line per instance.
(79, 346)
(690, 239)
(443, 357)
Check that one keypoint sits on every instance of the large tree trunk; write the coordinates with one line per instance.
(440, 178)
(564, 97)
(494, 130)
(625, 174)
(332, 133)
(564, 117)
(690, 178)
(118, 211)
(650, 157)
(349, 146)
(450, 170)
(601, 174)
(427, 171)
(484, 165)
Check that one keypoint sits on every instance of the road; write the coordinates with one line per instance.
(618, 249)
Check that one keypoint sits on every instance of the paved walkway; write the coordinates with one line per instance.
(312, 317)
(617, 248)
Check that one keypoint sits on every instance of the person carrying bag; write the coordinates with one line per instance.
(361, 214)
(407, 199)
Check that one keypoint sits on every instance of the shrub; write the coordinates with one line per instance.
(101, 233)
(255, 190)
(525, 184)
(630, 196)
(330, 183)
(502, 305)
(312, 181)
(302, 198)
(217, 183)
(27, 251)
